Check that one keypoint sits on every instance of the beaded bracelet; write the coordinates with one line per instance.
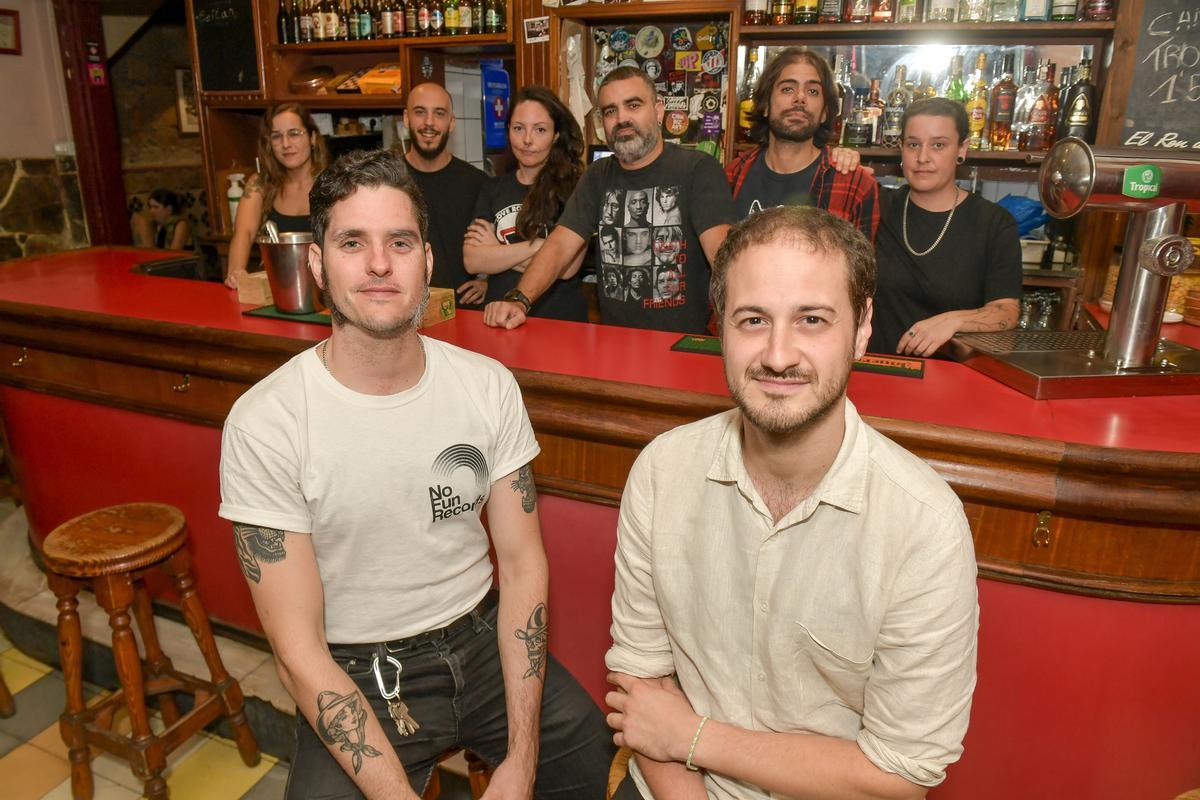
(692, 749)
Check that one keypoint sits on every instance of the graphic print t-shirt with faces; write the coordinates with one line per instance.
(651, 270)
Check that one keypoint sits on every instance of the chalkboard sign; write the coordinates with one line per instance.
(1164, 99)
(226, 46)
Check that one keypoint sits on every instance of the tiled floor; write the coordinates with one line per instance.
(33, 759)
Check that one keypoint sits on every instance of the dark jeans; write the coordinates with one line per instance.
(454, 689)
(627, 790)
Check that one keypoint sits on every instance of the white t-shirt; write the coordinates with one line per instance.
(390, 487)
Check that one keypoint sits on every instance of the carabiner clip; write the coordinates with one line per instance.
(379, 677)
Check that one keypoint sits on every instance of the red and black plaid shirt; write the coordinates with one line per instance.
(853, 197)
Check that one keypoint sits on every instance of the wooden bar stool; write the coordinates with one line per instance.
(113, 549)
(7, 706)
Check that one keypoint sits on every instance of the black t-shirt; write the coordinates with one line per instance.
(500, 201)
(765, 188)
(976, 262)
(450, 194)
(651, 269)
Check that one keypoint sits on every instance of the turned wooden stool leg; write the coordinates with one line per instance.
(7, 706)
(179, 567)
(156, 660)
(478, 773)
(70, 651)
(115, 595)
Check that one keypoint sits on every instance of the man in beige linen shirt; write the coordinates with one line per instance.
(795, 607)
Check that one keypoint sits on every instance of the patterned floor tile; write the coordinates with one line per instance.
(104, 790)
(38, 705)
(29, 773)
(17, 674)
(214, 770)
(269, 786)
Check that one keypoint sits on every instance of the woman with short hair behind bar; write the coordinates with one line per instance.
(949, 261)
(291, 152)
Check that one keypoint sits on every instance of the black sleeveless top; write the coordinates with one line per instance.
(290, 223)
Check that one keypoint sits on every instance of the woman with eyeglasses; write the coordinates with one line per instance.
(291, 152)
(515, 212)
(948, 261)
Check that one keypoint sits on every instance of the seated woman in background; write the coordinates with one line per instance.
(515, 212)
(949, 261)
(163, 225)
(291, 152)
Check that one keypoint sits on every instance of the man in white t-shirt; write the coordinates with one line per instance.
(355, 476)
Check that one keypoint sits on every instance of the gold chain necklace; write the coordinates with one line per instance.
(325, 355)
(938, 240)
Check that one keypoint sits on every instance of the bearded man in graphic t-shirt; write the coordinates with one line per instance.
(646, 186)
(355, 476)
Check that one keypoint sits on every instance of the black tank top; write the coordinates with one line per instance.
(290, 223)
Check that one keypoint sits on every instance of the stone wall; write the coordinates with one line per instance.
(41, 208)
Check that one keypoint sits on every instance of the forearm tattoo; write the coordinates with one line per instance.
(524, 484)
(256, 545)
(535, 635)
(342, 721)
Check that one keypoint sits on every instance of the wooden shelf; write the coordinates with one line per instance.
(394, 45)
(933, 32)
(333, 101)
(1013, 158)
(636, 14)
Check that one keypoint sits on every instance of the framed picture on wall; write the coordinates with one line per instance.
(185, 101)
(10, 32)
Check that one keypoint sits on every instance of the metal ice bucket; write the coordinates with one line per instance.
(292, 285)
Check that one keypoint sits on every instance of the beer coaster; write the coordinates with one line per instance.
(271, 312)
(652, 67)
(676, 122)
(681, 39)
(713, 62)
(629, 62)
(649, 42)
(620, 41)
(710, 37)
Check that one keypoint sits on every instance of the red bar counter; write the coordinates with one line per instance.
(1085, 513)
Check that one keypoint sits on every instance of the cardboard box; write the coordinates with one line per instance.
(253, 289)
(381, 79)
(441, 307)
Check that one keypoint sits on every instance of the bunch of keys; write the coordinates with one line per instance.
(397, 708)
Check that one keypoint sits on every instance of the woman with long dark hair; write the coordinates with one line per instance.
(515, 212)
(291, 152)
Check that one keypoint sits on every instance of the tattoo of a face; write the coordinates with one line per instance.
(256, 544)
(524, 485)
(535, 636)
(342, 721)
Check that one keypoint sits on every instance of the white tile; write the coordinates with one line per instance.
(104, 790)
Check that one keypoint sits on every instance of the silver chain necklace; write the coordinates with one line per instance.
(938, 240)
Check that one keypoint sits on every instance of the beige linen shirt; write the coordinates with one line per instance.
(854, 616)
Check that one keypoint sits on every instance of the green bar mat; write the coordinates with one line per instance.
(886, 365)
(271, 312)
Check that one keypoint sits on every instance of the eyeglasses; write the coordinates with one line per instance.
(293, 134)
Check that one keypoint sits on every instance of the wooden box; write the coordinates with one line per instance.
(441, 307)
(254, 289)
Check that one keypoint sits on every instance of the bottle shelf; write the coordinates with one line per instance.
(932, 32)
(394, 45)
(1007, 157)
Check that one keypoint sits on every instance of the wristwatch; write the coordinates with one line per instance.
(517, 296)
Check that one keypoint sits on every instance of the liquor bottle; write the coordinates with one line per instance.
(755, 13)
(1099, 10)
(746, 96)
(831, 11)
(858, 130)
(924, 87)
(502, 16)
(422, 17)
(1035, 10)
(284, 24)
(1065, 79)
(451, 17)
(884, 11)
(412, 27)
(942, 11)
(845, 88)
(387, 25)
(955, 89)
(806, 12)
(1062, 10)
(1080, 103)
(1025, 95)
(977, 110)
(1004, 96)
(873, 110)
(366, 20)
(1006, 10)
(973, 10)
(897, 103)
(781, 12)
(343, 20)
(494, 17)
(1043, 112)
(304, 21)
(437, 18)
(351, 10)
(907, 11)
(858, 11)
(333, 19)
(466, 17)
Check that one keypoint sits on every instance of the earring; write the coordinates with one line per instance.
(960, 160)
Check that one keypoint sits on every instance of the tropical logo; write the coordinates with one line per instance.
(444, 500)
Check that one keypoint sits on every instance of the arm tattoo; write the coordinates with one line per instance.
(535, 635)
(342, 721)
(256, 544)
(524, 485)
